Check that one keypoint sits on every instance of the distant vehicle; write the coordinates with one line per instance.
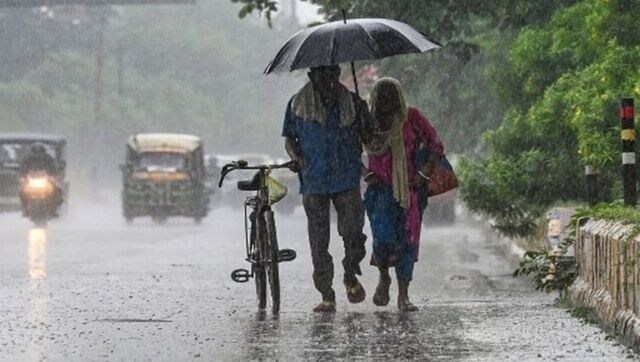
(13, 148)
(41, 197)
(164, 175)
(231, 195)
(214, 164)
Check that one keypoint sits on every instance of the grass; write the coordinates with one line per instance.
(585, 314)
(614, 212)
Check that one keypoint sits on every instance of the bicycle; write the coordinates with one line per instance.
(261, 239)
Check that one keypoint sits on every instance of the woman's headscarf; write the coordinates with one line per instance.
(393, 139)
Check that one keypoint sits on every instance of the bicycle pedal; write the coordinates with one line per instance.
(286, 255)
(240, 275)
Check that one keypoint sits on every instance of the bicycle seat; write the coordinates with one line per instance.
(250, 185)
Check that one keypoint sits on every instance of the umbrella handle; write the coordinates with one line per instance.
(353, 67)
(355, 79)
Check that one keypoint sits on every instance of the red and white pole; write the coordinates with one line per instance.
(628, 137)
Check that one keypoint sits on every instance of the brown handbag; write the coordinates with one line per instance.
(442, 179)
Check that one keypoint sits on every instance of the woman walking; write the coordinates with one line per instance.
(396, 193)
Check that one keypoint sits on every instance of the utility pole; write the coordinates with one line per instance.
(591, 175)
(628, 137)
(98, 94)
(120, 61)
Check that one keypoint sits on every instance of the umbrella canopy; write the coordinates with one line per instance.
(339, 42)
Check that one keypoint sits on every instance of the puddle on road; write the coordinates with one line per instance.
(134, 320)
(435, 334)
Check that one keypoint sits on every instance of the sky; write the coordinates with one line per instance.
(307, 13)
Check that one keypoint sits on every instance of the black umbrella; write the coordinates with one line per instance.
(341, 42)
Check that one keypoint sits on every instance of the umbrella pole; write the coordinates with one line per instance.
(353, 67)
(355, 80)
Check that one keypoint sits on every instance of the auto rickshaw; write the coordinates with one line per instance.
(164, 175)
(13, 148)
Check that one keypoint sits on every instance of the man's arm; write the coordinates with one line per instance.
(364, 117)
(290, 134)
(292, 147)
(366, 129)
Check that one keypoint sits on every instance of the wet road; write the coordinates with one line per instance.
(92, 288)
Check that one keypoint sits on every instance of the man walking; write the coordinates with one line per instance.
(323, 128)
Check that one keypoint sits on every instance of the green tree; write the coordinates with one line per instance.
(563, 82)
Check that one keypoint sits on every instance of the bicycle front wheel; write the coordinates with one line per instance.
(257, 247)
(272, 260)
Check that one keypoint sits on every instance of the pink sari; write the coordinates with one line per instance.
(416, 130)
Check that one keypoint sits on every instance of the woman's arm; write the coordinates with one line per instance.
(429, 135)
(426, 131)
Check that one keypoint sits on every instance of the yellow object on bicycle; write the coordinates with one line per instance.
(277, 190)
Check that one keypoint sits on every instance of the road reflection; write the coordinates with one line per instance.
(38, 311)
(263, 337)
(37, 253)
(322, 337)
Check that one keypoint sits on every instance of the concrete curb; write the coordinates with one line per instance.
(624, 323)
(608, 275)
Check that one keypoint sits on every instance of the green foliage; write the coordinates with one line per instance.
(550, 270)
(540, 55)
(266, 7)
(614, 211)
(563, 83)
(517, 182)
(554, 270)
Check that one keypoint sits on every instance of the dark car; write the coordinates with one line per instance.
(13, 148)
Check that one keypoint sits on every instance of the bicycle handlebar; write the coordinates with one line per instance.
(243, 165)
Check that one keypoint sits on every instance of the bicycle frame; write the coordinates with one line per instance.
(257, 204)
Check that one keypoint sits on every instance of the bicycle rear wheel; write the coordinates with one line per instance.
(258, 238)
(272, 264)
(260, 276)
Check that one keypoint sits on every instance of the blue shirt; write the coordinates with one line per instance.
(331, 152)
